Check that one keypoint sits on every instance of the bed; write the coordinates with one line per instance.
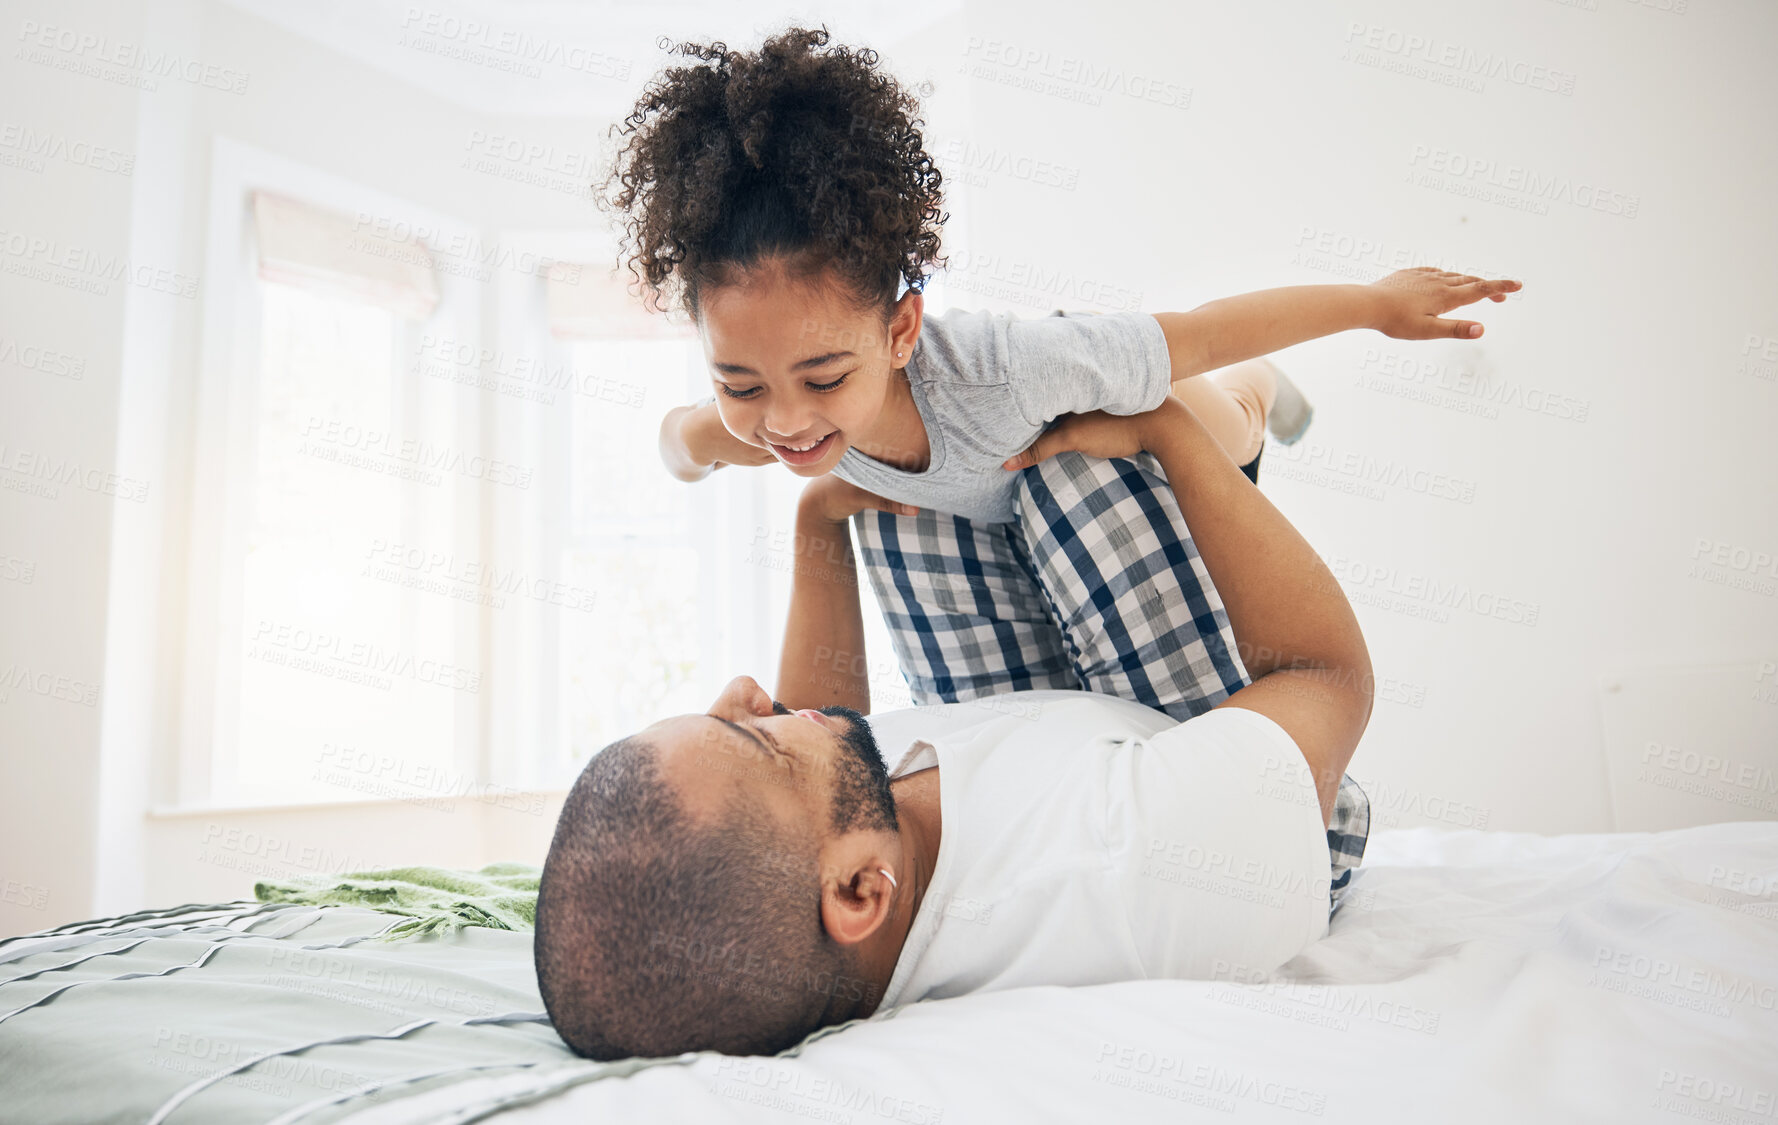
(1468, 976)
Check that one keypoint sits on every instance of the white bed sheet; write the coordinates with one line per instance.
(1469, 977)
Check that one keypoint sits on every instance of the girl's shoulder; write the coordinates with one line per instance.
(962, 348)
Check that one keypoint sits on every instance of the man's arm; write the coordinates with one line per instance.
(1293, 626)
(822, 662)
(1407, 305)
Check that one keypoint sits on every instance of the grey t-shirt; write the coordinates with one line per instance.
(987, 383)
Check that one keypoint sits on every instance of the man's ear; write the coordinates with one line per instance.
(855, 901)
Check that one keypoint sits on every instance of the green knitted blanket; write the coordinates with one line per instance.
(501, 896)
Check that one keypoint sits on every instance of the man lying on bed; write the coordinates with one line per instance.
(737, 879)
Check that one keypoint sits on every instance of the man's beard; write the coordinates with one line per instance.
(862, 797)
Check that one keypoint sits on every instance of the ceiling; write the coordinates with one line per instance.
(562, 58)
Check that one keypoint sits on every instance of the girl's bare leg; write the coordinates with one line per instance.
(1233, 403)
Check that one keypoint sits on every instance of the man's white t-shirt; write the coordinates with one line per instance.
(1089, 839)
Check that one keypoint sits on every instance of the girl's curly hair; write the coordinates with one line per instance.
(806, 156)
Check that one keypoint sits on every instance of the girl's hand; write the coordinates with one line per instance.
(829, 498)
(708, 442)
(1412, 301)
(1097, 434)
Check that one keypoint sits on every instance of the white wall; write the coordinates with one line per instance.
(57, 536)
(1277, 158)
(1289, 145)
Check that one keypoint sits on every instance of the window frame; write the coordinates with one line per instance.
(224, 446)
(528, 746)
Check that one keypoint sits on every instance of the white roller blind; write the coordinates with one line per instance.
(363, 258)
(588, 302)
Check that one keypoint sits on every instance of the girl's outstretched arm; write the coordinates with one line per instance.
(1407, 305)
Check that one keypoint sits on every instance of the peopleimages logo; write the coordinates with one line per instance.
(1135, 1067)
(384, 452)
(1765, 682)
(442, 573)
(22, 677)
(46, 472)
(1460, 61)
(1390, 587)
(1187, 864)
(352, 660)
(455, 252)
(525, 54)
(1318, 1004)
(1408, 376)
(84, 52)
(91, 271)
(1703, 989)
(1314, 458)
(1524, 187)
(524, 376)
(421, 783)
(1710, 1099)
(1071, 77)
(33, 148)
(1712, 776)
(49, 361)
(795, 1092)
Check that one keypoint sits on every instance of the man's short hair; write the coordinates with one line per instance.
(656, 934)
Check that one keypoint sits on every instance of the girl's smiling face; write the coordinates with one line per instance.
(797, 369)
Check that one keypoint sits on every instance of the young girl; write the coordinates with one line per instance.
(785, 197)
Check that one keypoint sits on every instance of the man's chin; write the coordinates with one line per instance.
(834, 711)
(856, 730)
(853, 727)
(846, 713)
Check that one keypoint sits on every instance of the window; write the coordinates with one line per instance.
(373, 611)
(346, 653)
(334, 613)
(691, 582)
(643, 542)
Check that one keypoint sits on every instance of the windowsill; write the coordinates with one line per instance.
(175, 812)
